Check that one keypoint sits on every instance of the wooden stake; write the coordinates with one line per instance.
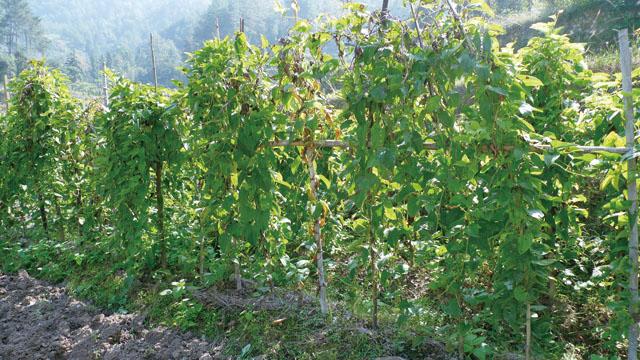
(199, 185)
(7, 97)
(236, 266)
(417, 24)
(458, 19)
(105, 85)
(160, 205)
(59, 221)
(153, 62)
(385, 9)
(218, 27)
(317, 233)
(159, 168)
(625, 62)
(454, 12)
(374, 272)
(43, 214)
(527, 347)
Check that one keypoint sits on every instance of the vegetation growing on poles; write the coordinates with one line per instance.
(374, 152)
(141, 138)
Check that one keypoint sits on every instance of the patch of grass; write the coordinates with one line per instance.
(608, 60)
(303, 334)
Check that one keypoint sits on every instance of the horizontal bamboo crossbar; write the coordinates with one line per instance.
(432, 146)
(586, 149)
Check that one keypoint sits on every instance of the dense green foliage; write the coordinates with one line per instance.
(439, 219)
(141, 136)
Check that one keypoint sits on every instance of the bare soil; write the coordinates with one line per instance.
(42, 321)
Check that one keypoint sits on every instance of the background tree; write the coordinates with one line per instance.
(21, 32)
(73, 68)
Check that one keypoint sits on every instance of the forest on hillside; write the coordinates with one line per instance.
(79, 36)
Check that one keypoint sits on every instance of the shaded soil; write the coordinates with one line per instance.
(42, 321)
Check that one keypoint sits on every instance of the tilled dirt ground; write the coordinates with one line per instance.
(41, 321)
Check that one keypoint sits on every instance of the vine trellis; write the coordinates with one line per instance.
(629, 150)
(235, 107)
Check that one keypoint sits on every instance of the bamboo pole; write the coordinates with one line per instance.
(158, 172)
(414, 14)
(458, 19)
(7, 97)
(218, 27)
(160, 206)
(317, 232)
(625, 62)
(43, 214)
(454, 12)
(385, 9)
(59, 220)
(432, 146)
(153, 62)
(105, 85)
(318, 143)
(583, 149)
(527, 347)
(237, 275)
(375, 287)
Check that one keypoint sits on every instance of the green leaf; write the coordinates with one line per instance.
(550, 159)
(302, 26)
(524, 243)
(497, 90)
(452, 308)
(264, 41)
(378, 94)
(327, 182)
(390, 213)
(441, 250)
(530, 81)
(543, 27)
(521, 294)
(544, 262)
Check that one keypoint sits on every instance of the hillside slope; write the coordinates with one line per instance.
(592, 22)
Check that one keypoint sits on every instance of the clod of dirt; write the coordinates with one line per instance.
(41, 321)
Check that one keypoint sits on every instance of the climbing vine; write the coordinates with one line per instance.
(141, 137)
(40, 126)
(380, 151)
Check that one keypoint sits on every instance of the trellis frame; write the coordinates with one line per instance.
(628, 150)
(625, 61)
